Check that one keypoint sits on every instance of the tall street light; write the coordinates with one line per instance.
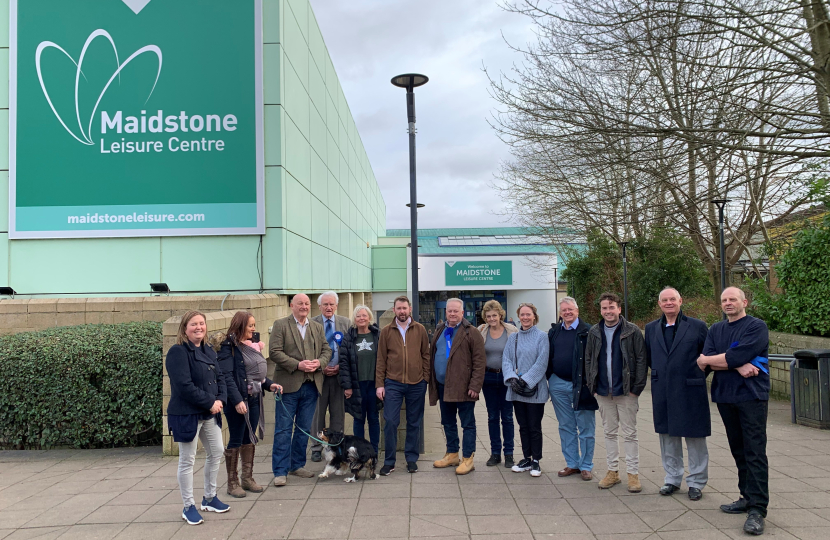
(721, 204)
(625, 278)
(410, 81)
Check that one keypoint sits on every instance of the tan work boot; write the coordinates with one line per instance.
(466, 465)
(247, 451)
(612, 478)
(634, 485)
(449, 460)
(231, 463)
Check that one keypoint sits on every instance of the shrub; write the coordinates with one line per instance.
(804, 276)
(664, 258)
(90, 386)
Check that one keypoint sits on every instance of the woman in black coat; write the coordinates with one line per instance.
(244, 368)
(358, 359)
(197, 395)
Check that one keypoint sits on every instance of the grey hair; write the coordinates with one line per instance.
(328, 293)
(360, 307)
(569, 300)
(668, 288)
(460, 301)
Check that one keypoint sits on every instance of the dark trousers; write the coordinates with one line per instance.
(369, 405)
(529, 416)
(746, 431)
(498, 410)
(465, 410)
(238, 430)
(396, 394)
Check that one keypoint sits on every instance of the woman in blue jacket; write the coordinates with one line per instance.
(197, 396)
(244, 368)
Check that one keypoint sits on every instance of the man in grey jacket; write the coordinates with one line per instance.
(615, 371)
(331, 397)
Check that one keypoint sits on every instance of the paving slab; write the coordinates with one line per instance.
(132, 494)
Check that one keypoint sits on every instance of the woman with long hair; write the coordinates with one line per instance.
(244, 368)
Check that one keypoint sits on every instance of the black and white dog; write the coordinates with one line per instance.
(347, 450)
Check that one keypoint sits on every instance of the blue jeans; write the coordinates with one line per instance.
(396, 393)
(288, 453)
(498, 408)
(576, 428)
(369, 405)
(466, 413)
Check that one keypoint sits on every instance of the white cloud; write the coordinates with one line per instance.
(370, 41)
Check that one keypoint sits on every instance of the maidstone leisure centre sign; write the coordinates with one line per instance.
(472, 273)
(135, 118)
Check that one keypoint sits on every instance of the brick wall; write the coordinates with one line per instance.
(780, 343)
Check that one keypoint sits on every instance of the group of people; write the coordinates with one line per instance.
(336, 365)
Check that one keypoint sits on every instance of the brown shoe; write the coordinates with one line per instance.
(634, 485)
(280, 481)
(567, 471)
(449, 460)
(247, 452)
(231, 463)
(302, 473)
(612, 478)
(466, 466)
(586, 475)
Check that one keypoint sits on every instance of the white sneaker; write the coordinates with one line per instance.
(522, 466)
(535, 469)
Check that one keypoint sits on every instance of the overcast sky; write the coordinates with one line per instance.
(370, 41)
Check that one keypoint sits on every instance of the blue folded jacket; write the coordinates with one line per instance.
(761, 363)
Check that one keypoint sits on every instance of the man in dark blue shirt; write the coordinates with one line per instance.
(737, 350)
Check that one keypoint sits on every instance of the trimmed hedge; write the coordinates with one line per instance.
(90, 386)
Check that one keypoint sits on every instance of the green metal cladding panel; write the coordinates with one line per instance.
(322, 202)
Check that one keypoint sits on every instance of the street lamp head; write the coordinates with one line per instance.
(720, 201)
(410, 80)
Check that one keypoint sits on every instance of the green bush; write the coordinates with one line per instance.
(804, 276)
(90, 386)
(665, 258)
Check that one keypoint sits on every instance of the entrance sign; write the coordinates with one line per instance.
(484, 273)
(135, 118)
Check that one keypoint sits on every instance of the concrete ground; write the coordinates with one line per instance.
(132, 494)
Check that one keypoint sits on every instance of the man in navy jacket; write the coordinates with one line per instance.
(736, 350)
(678, 393)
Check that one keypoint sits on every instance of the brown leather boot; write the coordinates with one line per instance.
(231, 462)
(247, 452)
(612, 478)
(466, 466)
(449, 460)
(634, 485)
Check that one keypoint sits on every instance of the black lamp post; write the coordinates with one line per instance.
(410, 81)
(721, 204)
(625, 278)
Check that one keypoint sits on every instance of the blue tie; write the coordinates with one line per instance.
(329, 332)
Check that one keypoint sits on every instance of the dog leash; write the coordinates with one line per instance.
(278, 398)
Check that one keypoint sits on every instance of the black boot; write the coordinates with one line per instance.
(495, 459)
(508, 461)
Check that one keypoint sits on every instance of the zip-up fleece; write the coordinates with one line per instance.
(405, 364)
(633, 348)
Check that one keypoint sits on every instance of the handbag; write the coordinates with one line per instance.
(520, 387)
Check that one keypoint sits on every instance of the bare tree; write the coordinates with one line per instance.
(630, 116)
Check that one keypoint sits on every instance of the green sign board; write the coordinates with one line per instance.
(135, 118)
(473, 273)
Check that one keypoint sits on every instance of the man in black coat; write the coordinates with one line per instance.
(678, 393)
(574, 405)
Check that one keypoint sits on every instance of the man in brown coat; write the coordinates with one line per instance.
(298, 347)
(457, 365)
(401, 374)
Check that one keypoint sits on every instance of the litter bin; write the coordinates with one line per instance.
(811, 388)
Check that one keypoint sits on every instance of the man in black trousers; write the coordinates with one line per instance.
(737, 350)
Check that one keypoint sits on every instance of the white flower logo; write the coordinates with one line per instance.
(86, 136)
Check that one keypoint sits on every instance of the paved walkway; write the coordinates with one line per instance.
(131, 494)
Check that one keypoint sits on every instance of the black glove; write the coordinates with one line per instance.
(515, 384)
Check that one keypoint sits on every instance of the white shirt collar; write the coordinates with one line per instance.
(298, 322)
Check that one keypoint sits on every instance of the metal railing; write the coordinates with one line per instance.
(788, 359)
